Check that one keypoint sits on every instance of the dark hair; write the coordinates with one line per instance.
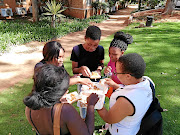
(93, 32)
(121, 40)
(51, 50)
(50, 84)
(133, 64)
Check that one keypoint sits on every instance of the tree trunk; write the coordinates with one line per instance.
(139, 5)
(35, 11)
(168, 8)
(54, 21)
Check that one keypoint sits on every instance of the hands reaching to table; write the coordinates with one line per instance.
(85, 71)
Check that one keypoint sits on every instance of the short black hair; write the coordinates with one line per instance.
(93, 32)
(50, 84)
(133, 64)
(121, 40)
(51, 50)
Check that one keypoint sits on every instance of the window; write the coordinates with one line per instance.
(1, 2)
(88, 2)
(21, 2)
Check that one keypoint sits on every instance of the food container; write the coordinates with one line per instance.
(95, 77)
(83, 101)
(100, 88)
(72, 97)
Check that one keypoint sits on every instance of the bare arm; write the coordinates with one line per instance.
(84, 81)
(75, 68)
(100, 68)
(83, 69)
(117, 112)
(75, 123)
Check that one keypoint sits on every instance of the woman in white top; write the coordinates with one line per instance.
(132, 98)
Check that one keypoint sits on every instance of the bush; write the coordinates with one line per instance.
(20, 31)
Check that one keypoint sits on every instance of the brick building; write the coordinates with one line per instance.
(76, 8)
(80, 8)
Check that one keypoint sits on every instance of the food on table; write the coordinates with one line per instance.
(95, 75)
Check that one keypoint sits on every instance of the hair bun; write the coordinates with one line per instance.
(127, 38)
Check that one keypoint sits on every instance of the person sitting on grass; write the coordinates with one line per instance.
(53, 53)
(131, 99)
(116, 49)
(89, 56)
(50, 84)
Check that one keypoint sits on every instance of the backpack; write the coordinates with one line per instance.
(151, 123)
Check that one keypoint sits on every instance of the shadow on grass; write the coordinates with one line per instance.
(160, 48)
(12, 110)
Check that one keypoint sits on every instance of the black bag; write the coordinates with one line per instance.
(151, 123)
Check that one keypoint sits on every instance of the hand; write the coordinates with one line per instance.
(98, 71)
(107, 70)
(110, 82)
(85, 71)
(92, 99)
(85, 81)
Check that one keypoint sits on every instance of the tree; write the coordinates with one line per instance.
(54, 9)
(35, 11)
(95, 5)
(169, 7)
(139, 5)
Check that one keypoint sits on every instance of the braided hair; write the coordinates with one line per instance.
(121, 40)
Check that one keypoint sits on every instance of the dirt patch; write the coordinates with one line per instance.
(158, 16)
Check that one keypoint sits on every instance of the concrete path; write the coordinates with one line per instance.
(18, 64)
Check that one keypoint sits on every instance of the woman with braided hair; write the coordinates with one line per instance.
(116, 49)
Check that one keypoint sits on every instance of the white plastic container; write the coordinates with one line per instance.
(100, 88)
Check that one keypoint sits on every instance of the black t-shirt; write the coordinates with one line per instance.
(89, 59)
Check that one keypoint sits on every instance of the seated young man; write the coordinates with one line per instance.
(131, 99)
(89, 56)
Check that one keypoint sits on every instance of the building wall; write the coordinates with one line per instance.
(12, 4)
(76, 8)
(79, 9)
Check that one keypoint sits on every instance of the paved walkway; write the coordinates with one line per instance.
(18, 64)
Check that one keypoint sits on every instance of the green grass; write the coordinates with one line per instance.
(20, 31)
(160, 48)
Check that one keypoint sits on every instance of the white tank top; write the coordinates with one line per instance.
(140, 96)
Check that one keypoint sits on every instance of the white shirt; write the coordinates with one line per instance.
(140, 96)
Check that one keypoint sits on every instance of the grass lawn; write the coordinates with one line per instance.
(160, 48)
(22, 30)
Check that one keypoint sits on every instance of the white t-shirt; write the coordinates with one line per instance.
(140, 96)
